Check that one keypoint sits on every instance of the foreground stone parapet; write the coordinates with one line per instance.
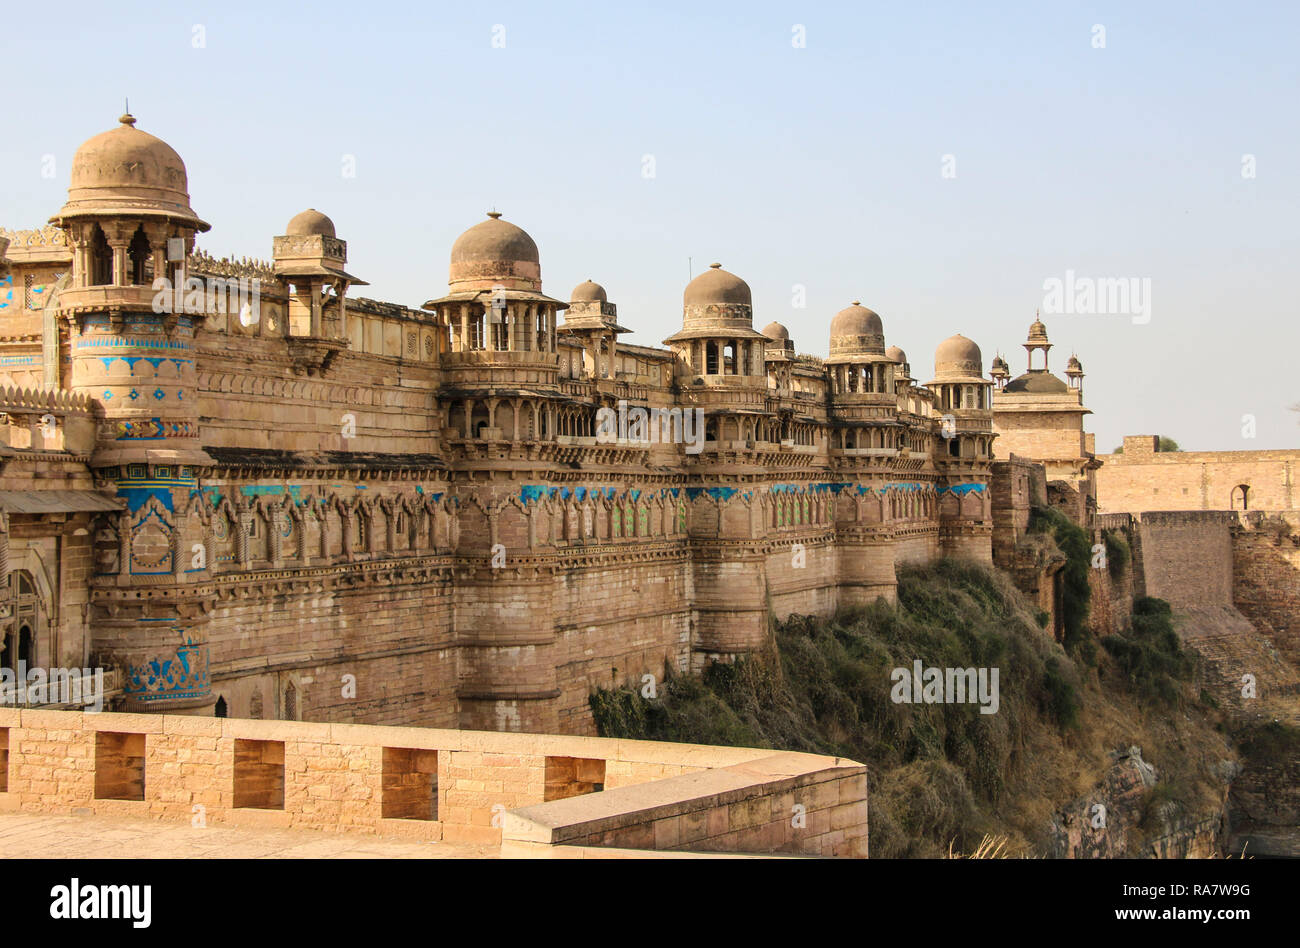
(786, 803)
(555, 795)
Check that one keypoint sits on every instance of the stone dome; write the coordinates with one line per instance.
(776, 332)
(957, 349)
(310, 222)
(495, 252)
(494, 239)
(1037, 383)
(897, 354)
(856, 330)
(127, 172)
(958, 359)
(856, 320)
(716, 285)
(588, 292)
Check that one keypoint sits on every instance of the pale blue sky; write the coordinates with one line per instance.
(819, 166)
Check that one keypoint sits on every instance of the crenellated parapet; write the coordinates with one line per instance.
(47, 420)
(202, 263)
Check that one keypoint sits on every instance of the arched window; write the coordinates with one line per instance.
(28, 616)
(140, 259)
(26, 645)
(1241, 497)
(101, 259)
(221, 709)
(290, 702)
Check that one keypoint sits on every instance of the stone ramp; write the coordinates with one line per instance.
(1231, 647)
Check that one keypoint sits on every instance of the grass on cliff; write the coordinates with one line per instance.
(1270, 743)
(1151, 656)
(942, 776)
(1076, 597)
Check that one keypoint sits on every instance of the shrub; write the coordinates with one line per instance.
(1117, 552)
(1151, 655)
(1075, 543)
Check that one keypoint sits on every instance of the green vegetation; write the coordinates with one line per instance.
(1118, 554)
(824, 686)
(945, 778)
(1151, 656)
(1074, 542)
(1165, 444)
(1270, 743)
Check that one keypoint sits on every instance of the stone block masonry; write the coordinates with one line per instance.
(459, 786)
(344, 509)
(1266, 579)
(1142, 478)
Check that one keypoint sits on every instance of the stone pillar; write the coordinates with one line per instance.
(275, 538)
(120, 261)
(315, 324)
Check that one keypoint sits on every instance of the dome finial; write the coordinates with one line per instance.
(715, 266)
(495, 215)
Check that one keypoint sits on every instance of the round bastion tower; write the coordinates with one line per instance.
(501, 394)
(963, 455)
(721, 371)
(130, 320)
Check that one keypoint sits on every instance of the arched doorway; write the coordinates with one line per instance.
(1240, 499)
(25, 611)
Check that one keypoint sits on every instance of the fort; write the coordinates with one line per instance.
(360, 528)
(237, 513)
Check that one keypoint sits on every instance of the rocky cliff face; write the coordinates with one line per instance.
(1264, 809)
(1123, 818)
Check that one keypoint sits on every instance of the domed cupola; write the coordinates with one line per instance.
(1074, 373)
(310, 223)
(588, 291)
(964, 397)
(904, 370)
(495, 253)
(858, 363)
(958, 359)
(999, 371)
(1037, 341)
(779, 345)
(591, 319)
(494, 298)
(716, 286)
(128, 173)
(856, 330)
(1037, 380)
(717, 335)
(310, 257)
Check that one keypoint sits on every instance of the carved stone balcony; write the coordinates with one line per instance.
(312, 354)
